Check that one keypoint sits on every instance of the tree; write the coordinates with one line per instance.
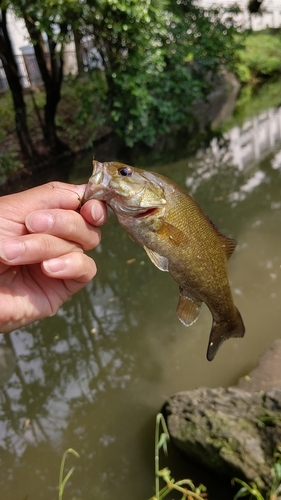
(49, 28)
(14, 80)
(158, 57)
(50, 63)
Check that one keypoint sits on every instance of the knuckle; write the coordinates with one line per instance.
(94, 239)
(84, 267)
(47, 243)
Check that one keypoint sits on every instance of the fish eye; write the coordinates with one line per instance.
(125, 171)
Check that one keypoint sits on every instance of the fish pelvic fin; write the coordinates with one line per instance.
(158, 260)
(188, 309)
(234, 327)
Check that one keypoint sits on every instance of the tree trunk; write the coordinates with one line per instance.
(51, 69)
(53, 95)
(78, 51)
(13, 77)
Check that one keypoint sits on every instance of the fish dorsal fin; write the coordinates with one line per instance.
(188, 309)
(228, 244)
(158, 260)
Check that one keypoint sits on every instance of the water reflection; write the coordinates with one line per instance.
(94, 376)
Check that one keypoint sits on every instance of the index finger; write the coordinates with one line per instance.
(51, 195)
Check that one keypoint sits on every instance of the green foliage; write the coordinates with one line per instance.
(63, 480)
(184, 486)
(159, 58)
(8, 153)
(7, 119)
(253, 492)
(252, 101)
(260, 57)
(8, 163)
(82, 113)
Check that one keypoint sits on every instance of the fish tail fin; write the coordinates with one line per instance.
(234, 327)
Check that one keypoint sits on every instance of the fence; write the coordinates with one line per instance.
(28, 70)
(30, 73)
(256, 138)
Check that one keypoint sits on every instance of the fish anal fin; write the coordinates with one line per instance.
(224, 330)
(158, 260)
(228, 244)
(188, 309)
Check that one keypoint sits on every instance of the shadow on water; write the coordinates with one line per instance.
(94, 377)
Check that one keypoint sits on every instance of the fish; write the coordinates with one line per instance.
(178, 238)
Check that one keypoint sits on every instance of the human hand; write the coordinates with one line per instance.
(42, 244)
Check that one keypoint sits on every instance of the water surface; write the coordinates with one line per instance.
(94, 377)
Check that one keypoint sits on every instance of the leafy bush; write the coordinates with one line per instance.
(158, 58)
(7, 119)
(260, 57)
(8, 162)
(82, 110)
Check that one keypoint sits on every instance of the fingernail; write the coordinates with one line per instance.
(39, 222)
(98, 213)
(54, 265)
(11, 249)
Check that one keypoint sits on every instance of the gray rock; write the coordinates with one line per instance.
(230, 431)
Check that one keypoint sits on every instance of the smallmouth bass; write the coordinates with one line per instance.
(177, 237)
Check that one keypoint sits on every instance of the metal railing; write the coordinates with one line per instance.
(28, 71)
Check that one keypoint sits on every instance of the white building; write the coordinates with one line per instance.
(269, 18)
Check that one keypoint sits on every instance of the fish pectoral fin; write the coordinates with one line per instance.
(188, 309)
(158, 260)
(172, 234)
(224, 330)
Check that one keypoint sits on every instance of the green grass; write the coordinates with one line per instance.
(251, 491)
(186, 487)
(63, 479)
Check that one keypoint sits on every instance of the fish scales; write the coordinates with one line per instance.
(178, 238)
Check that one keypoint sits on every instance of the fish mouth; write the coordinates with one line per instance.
(97, 184)
(147, 213)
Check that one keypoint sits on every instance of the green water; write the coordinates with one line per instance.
(94, 377)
